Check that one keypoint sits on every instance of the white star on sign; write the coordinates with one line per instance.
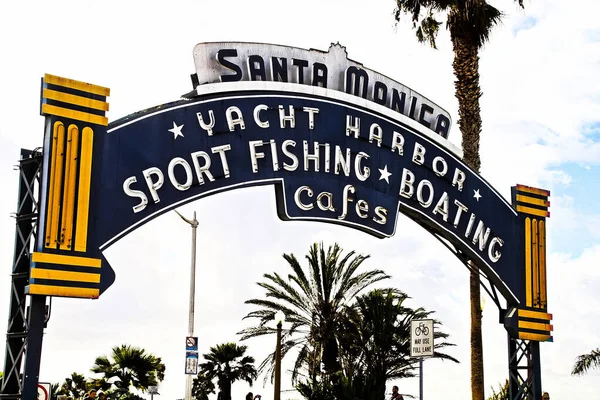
(476, 194)
(384, 174)
(176, 130)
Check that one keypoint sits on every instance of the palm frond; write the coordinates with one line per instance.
(301, 359)
(273, 307)
(427, 30)
(585, 362)
(293, 296)
(300, 277)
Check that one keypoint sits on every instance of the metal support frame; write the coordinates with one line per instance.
(525, 381)
(24, 332)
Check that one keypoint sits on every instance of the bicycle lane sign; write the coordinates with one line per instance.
(421, 338)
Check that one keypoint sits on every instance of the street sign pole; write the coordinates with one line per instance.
(421, 345)
(421, 379)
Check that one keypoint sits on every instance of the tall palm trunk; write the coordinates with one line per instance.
(477, 388)
(468, 92)
(466, 69)
(225, 390)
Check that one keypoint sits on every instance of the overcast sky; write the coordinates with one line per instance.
(541, 127)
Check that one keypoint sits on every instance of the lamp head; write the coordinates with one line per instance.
(279, 317)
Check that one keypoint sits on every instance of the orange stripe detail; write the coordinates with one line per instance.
(529, 189)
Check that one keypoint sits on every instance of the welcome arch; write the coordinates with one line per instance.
(340, 144)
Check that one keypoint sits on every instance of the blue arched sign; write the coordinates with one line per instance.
(351, 148)
(329, 159)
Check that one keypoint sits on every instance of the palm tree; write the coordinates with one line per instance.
(503, 392)
(130, 366)
(585, 362)
(54, 390)
(470, 23)
(100, 384)
(202, 387)
(227, 363)
(376, 342)
(313, 302)
(116, 395)
(74, 386)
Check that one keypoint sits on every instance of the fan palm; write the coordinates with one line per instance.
(376, 342)
(313, 302)
(585, 362)
(227, 363)
(470, 23)
(100, 384)
(74, 386)
(130, 366)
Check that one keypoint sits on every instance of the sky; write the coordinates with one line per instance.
(541, 127)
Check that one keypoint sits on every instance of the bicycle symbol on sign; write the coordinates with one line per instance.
(422, 328)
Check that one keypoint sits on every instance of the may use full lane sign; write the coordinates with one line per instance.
(421, 338)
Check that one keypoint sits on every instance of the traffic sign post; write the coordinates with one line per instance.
(421, 338)
(191, 355)
(191, 362)
(421, 344)
(191, 343)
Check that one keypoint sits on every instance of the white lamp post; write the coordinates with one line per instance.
(279, 318)
(194, 224)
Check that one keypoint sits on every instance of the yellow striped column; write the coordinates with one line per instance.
(533, 204)
(530, 321)
(75, 113)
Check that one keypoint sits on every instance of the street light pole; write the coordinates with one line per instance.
(153, 390)
(279, 317)
(194, 224)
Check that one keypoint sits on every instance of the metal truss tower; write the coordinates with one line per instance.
(26, 319)
(524, 369)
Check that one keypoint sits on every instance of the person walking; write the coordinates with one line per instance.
(251, 396)
(395, 394)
